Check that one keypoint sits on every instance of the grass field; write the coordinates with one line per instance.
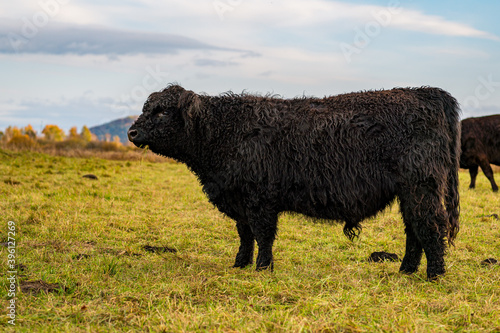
(141, 249)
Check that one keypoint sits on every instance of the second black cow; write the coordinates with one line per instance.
(481, 147)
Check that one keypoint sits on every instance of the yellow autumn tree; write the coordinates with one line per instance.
(53, 133)
(30, 132)
(86, 134)
(73, 133)
(20, 138)
(9, 133)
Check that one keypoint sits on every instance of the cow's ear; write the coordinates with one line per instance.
(190, 106)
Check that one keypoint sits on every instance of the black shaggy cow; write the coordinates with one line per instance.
(480, 147)
(342, 158)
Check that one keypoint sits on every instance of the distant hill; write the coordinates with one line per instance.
(116, 127)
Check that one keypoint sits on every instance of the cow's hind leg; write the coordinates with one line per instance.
(247, 242)
(426, 226)
(413, 253)
(473, 174)
(488, 172)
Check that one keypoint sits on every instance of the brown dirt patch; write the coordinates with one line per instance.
(158, 249)
(383, 256)
(38, 286)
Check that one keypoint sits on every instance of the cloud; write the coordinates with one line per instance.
(240, 23)
(321, 13)
(213, 63)
(452, 51)
(62, 38)
(417, 21)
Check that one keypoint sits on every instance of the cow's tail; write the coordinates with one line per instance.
(452, 203)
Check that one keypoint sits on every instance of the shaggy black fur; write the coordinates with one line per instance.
(342, 158)
(480, 147)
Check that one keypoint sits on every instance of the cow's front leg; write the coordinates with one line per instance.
(247, 241)
(264, 226)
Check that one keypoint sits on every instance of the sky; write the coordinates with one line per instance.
(87, 62)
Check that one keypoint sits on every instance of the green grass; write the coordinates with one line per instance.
(88, 236)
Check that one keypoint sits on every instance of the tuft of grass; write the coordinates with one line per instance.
(104, 244)
(110, 266)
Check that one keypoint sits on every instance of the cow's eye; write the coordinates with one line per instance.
(159, 112)
(163, 112)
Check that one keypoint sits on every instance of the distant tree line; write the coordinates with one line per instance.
(52, 136)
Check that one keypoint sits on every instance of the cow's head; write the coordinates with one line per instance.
(166, 122)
